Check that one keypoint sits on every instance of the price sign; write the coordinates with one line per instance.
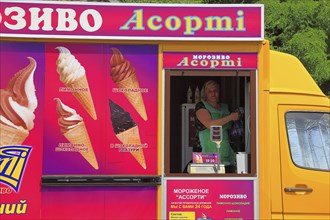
(216, 133)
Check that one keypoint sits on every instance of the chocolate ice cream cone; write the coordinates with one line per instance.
(132, 136)
(124, 76)
(134, 97)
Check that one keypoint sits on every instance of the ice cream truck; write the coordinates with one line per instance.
(97, 115)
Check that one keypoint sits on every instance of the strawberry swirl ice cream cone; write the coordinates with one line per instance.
(17, 105)
(74, 130)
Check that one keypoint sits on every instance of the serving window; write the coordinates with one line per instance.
(237, 89)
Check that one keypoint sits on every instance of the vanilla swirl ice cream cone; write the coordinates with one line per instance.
(74, 130)
(17, 105)
(73, 75)
(127, 131)
(123, 74)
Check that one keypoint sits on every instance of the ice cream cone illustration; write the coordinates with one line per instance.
(12, 136)
(73, 75)
(123, 74)
(74, 130)
(127, 131)
(17, 105)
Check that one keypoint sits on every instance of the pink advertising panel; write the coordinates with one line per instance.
(21, 154)
(115, 21)
(209, 199)
(117, 108)
(218, 60)
(53, 126)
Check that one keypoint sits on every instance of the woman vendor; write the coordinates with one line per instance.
(211, 112)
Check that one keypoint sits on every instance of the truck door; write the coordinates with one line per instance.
(305, 161)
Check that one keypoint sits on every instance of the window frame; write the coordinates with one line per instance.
(288, 139)
(253, 117)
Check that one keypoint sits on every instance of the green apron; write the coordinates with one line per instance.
(227, 155)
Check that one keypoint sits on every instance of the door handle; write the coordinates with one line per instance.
(294, 189)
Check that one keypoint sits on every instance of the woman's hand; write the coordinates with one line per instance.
(234, 116)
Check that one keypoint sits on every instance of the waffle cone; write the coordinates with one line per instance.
(79, 135)
(132, 136)
(84, 97)
(11, 136)
(135, 98)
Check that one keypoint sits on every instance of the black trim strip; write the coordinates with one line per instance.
(99, 180)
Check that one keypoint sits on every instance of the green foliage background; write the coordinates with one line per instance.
(297, 27)
(302, 28)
